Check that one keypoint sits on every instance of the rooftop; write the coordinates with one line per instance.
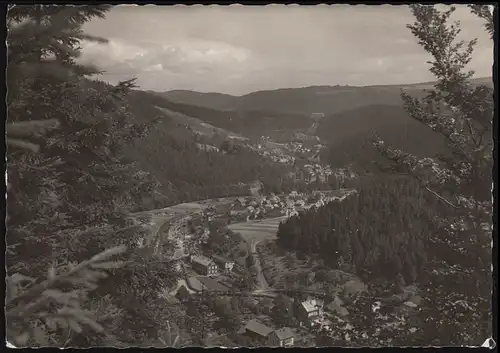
(311, 305)
(258, 327)
(221, 259)
(284, 333)
(202, 260)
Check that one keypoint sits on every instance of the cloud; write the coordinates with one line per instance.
(237, 48)
(157, 67)
(195, 57)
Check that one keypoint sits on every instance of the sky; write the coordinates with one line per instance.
(241, 49)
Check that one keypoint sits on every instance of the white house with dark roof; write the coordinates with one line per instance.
(204, 265)
(310, 310)
(283, 337)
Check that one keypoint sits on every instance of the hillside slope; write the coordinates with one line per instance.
(170, 152)
(250, 123)
(349, 133)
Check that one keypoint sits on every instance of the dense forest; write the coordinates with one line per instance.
(349, 136)
(304, 100)
(70, 189)
(382, 231)
(186, 173)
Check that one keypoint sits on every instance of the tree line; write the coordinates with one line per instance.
(379, 232)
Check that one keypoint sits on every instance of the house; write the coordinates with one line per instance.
(204, 265)
(309, 310)
(253, 203)
(257, 331)
(223, 263)
(284, 337)
(319, 203)
(299, 203)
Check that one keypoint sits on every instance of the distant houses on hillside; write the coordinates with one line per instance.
(317, 116)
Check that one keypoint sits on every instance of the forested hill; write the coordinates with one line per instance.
(380, 232)
(170, 152)
(251, 122)
(388, 230)
(349, 135)
(306, 100)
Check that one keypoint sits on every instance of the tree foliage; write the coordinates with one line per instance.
(70, 188)
(462, 180)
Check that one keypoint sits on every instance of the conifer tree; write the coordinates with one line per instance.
(69, 189)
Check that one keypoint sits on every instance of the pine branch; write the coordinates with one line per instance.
(37, 289)
(32, 127)
(23, 144)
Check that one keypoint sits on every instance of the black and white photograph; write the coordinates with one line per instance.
(250, 175)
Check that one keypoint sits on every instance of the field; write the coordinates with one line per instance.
(198, 125)
(256, 231)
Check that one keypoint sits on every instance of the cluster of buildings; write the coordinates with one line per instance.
(276, 206)
(298, 202)
(312, 313)
(258, 207)
(275, 154)
(344, 174)
(316, 173)
(298, 147)
(207, 148)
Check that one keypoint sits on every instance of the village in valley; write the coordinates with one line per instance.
(208, 244)
(237, 287)
(181, 177)
(221, 250)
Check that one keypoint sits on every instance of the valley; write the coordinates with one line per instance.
(243, 231)
(311, 198)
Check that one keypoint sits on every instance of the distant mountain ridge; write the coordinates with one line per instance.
(306, 100)
(350, 116)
